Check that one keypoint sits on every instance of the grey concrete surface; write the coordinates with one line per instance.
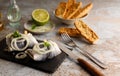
(104, 19)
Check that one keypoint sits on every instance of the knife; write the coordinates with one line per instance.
(87, 66)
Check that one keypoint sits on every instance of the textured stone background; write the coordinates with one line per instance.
(104, 19)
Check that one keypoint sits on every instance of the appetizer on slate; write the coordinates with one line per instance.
(27, 44)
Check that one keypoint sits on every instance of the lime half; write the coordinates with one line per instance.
(40, 16)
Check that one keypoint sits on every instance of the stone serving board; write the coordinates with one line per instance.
(49, 65)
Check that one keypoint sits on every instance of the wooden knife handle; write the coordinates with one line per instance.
(90, 68)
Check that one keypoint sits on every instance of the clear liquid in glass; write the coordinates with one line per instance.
(14, 14)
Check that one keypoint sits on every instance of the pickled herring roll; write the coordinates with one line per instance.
(31, 39)
(19, 42)
(44, 50)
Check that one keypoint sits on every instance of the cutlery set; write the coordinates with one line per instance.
(68, 41)
(66, 46)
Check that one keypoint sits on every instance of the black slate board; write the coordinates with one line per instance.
(48, 66)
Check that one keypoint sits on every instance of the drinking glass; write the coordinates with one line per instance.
(13, 14)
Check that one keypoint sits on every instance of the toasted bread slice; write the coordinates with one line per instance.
(68, 4)
(72, 10)
(60, 9)
(71, 31)
(82, 11)
(86, 31)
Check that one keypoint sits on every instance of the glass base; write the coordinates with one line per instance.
(14, 24)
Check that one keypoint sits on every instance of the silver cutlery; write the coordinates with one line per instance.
(68, 41)
(86, 65)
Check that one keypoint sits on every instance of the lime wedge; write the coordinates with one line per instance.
(40, 16)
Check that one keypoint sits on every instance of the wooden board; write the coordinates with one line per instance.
(49, 66)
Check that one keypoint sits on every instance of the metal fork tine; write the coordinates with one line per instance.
(65, 35)
(65, 38)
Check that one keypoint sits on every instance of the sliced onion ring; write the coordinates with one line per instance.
(14, 44)
(39, 50)
(21, 55)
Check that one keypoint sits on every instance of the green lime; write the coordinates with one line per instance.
(40, 16)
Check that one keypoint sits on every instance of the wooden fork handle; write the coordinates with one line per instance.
(90, 68)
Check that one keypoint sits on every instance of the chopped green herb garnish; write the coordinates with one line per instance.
(46, 44)
(16, 34)
(33, 26)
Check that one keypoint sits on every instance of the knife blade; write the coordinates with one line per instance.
(87, 66)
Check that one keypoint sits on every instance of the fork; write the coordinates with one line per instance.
(68, 41)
